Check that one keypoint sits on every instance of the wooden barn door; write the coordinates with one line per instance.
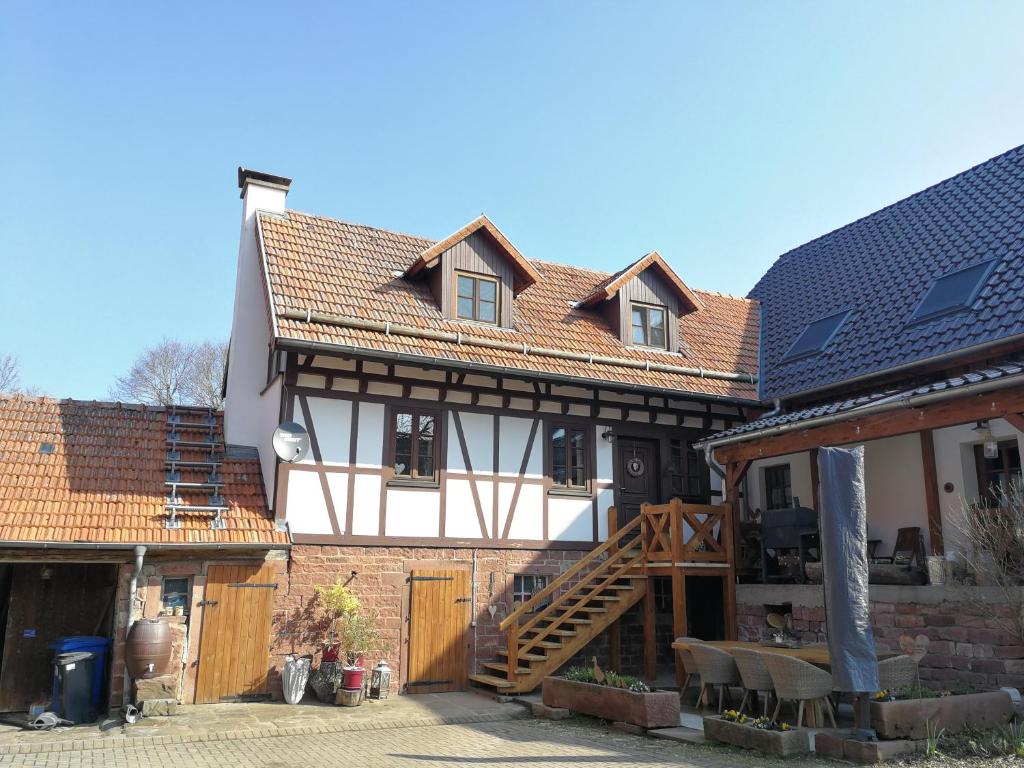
(234, 648)
(439, 615)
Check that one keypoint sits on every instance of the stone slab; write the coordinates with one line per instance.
(681, 734)
(158, 707)
(871, 752)
(636, 730)
(540, 709)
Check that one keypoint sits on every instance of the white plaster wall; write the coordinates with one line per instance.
(412, 513)
(570, 519)
(370, 438)
(514, 434)
(366, 504)
(605, 499)
(307, 507)
(605, 454)
(333, 422)
(249, 417)
(460, 511)
(894, 476)
(954, 463)
(478, 430)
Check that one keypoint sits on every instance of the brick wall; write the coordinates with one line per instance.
(381, 583)
(966, 627)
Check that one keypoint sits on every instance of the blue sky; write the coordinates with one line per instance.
(721, 134)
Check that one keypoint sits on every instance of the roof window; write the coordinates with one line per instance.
(817, 335)
(953, 292)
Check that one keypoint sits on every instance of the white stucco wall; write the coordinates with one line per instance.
(895, 490)
(799, 475)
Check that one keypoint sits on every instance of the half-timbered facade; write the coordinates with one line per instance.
(468, 408)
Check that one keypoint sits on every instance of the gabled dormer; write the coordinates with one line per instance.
(643, 303)
(475, 274)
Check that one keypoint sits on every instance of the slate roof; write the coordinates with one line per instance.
(849, 407)
(103, 482)
(325, 265)
(881, 266)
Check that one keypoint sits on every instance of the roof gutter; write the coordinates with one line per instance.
(898, 403)
(94, 546)
(302, 345)
(397, 329)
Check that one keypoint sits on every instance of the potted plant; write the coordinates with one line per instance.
(759, 733)
(338, 602)
(611, 696)
(357, 635)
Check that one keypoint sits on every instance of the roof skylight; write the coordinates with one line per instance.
(953, 291)
(816, 335)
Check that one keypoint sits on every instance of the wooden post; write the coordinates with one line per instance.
(615, 629)
(815, 482)
(513, 651)
(679, 628)
(931, 492)
(650, 638)
(734, 473)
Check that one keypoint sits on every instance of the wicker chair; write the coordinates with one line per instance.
(796, 680)
(716, 667)
(754, 675)
(896, 673)
(689, 665)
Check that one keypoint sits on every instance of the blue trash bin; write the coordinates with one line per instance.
(86, 644)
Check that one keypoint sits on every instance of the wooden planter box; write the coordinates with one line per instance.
(776, 743)
(658, 709)
(911, 719)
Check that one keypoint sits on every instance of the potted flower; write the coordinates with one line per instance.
(357, 635)
(338, 602)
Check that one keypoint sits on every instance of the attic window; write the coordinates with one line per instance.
(816, 336)
(47, 449)
(953, 292)
(648, 325)
(476, 298)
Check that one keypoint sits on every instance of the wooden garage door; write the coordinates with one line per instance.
(234, 648)
(438, 631)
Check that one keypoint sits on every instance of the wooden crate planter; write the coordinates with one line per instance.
(910, 719)
(657, 709)
(777, 743)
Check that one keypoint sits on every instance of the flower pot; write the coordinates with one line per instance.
(352, 678)
(777, 743)
(912, 718)
(330, 652)
(294, 678)
(655, 709)
(326, 680)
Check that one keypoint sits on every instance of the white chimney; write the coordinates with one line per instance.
(250, 412)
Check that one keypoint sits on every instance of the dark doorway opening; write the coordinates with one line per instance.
(705, 607)
(45, 601)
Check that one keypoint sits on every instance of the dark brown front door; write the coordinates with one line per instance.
(639, 476)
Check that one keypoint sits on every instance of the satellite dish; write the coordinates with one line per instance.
(291, 441)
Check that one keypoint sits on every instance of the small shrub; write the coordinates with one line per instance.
(761, 723)
(611, 679)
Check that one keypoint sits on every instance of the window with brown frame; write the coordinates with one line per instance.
(688, 472)
(414, 436)
(476, 298)
(995, 475)
(778, 488)
(648, 325)
(569, 458)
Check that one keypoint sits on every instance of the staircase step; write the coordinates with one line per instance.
(526, 656)
(497, 666)
(556, 632)
(621, 587)
(491, 680)
(573, 620)
(544, 644)
(591, 609)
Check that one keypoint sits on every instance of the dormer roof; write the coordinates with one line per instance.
(611, 286)
(525, 274)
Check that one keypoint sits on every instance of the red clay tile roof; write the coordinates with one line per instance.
(526, 275)
(103, 482)
(324, 265)
(613, 284)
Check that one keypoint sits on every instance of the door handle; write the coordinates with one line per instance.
(207, 602)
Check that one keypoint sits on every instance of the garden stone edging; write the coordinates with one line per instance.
(657, 709)
(776, 743)
(911, 718)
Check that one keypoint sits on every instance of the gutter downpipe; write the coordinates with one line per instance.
(133, 586)
(899, 403)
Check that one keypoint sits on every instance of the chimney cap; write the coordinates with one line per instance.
(246, 175)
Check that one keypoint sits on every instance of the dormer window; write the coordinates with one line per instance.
(476, 298)
(648, 323)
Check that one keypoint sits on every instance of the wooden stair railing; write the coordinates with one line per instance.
(608, 563)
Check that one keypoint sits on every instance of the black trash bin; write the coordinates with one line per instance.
(73, 673)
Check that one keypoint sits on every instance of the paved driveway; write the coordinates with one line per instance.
(532, 743)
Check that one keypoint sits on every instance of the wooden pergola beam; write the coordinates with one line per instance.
(1007, 404)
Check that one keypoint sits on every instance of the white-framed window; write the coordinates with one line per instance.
(525, 586)
(648, 325)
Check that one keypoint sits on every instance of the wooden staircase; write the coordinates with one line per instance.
(584, 601)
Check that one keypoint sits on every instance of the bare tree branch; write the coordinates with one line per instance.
(175, 373)
(8, 373)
